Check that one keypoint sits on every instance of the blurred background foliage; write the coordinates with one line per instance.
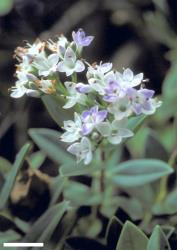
(138, 34)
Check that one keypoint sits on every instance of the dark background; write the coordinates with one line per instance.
(124, 33)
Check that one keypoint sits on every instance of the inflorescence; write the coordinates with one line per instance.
(102, 102)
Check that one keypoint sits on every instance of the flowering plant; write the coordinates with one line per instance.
(98, 108)
(102, 99)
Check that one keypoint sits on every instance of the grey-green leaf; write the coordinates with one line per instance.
(154, 148)
(170, 83)
(37, 159)
(5, 166)
(139, 172)
(48, 140)
(44, 227)
(5, 6)
(10, 180)
(132, 238)
(54, 107)
(135, 122)
(158, 240)
(8, 236)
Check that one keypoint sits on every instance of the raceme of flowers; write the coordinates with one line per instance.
(102, 102)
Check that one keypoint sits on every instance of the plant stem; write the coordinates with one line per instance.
(74, 77)
(164, 181)
(102, 173)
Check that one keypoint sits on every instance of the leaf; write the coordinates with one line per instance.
(68, 223)
(5, 166)
(137, 149)
(43, 228)
(37, 159)
(8, 236)
(113, 232)
(77, 192)
(139, 172)
(79, 169)
(48, 140)
(170, 83)
(5, 6)
(132, 207)
(170, 205)
(154, 149)
(54, 107)
(138, 193)
(10, 180)
(114, 157)
(158, 240)
(167, 136)
(94, 227)
(24, 226)
(56, 188)
(132, 238)
(135, 122)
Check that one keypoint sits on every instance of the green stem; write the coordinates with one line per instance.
(60, 87)
(102, 174)
(163, 189)
(74, 77)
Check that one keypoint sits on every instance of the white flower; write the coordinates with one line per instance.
(82, 150)
(19, 90)
(70, 64)
(25, 65)
(99, 70)
(35, 48)
(115, 131)
(74, 96)
(128, 79)
(73, 129)
(47, 86)
(46, 65)
(26, 55)
(58, 47)
(62, 44)
(121, 108)
(20, 87)
(97, 76)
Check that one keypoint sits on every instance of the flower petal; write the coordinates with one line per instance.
(104, 128)
(79, 66)
(70, 55)
(53, 59)
(137, 79)
(115, 139)
(128, 75)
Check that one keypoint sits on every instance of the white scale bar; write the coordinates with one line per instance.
(23, 244)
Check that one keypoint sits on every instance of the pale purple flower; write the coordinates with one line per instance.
(81, 39)
(113, 89)
(73, 96)
(98, 76)
(91, 118)
(141, 100)
(83, 88)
